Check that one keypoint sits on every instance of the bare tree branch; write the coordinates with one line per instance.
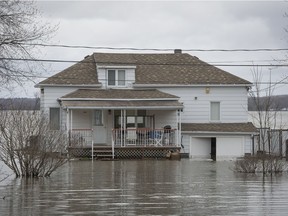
(28, 146)
(20, 25)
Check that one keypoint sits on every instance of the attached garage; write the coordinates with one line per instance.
(218, 141)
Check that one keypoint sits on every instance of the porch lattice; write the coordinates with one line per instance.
(125, 153)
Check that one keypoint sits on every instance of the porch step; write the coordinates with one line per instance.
(102, 153)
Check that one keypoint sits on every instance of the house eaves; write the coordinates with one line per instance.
(189, 85)
(39, 85)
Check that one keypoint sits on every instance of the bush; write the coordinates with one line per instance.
(260, 163)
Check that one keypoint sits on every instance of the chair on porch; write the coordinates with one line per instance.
(157, 138)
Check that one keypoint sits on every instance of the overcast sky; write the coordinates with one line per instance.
(171, 24)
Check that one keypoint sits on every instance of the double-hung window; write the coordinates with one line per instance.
(116, 77)
(54, 118)
(215, 111)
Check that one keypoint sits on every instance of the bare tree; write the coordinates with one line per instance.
(268, 143)
(28, 146)
(20, 29)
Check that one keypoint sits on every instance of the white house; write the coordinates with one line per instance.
(153, 101)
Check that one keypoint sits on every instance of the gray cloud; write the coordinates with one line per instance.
(171, 24)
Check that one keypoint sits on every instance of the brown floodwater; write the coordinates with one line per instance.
(146, 187)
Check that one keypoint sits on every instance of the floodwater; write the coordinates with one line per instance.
(146, 187)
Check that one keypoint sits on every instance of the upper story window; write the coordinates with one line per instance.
(215, 111)
(116, 77)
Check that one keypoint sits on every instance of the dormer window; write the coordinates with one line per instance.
(116, 77)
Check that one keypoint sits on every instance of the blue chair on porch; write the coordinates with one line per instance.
(156, 137)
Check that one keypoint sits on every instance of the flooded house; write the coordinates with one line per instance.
(139, 105)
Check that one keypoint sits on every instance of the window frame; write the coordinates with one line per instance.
(54, 125)
(212, 118)
(116, 81)
(100, 118)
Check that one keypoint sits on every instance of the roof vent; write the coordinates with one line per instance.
(177, 51)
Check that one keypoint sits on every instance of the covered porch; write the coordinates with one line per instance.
(135, 126)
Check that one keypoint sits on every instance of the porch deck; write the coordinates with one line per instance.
(129, 143)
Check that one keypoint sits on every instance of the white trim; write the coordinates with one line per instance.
(116, 67)
(210, 113)
(68, 85)
(216, 132)
(189, 85)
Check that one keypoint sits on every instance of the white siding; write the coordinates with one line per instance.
(233, 103)
(51, 94)
(163, 118)
(49, 99)
(82, 119)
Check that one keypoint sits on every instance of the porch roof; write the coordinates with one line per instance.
(123, 104)
(118, 94)
(248, 127)
(120, 99)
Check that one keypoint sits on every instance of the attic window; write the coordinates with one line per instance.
(116, 77)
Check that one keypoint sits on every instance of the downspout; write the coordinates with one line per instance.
(180, 129)
(177, 121)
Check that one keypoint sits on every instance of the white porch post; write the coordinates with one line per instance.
(67, 125)
(123, 129)
(179, 129)
(71, 120)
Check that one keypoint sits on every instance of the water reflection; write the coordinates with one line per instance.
(146, 187)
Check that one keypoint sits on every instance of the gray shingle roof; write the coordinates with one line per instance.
(83, 72)
(219, 127)
(182, 69)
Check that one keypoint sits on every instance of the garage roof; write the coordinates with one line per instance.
(219, 127)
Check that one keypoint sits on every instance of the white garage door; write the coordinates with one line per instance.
(229, 147)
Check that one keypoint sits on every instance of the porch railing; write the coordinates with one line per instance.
(80, 137)
(144, 137)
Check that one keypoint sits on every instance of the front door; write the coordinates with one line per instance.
(99, 127)
(213, 148)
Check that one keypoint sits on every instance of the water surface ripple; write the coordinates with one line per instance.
(146, 187)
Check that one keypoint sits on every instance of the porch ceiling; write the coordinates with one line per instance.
(123, 104)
